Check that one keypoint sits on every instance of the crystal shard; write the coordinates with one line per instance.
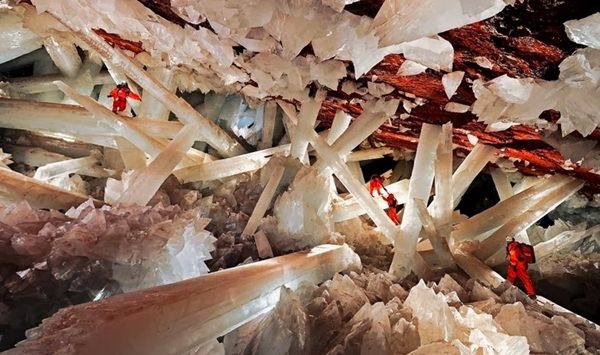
(451, 82)
(585, 31)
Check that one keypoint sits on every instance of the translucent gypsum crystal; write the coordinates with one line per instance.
(15, 40)
(451, 82)
(16, 187)
(356, 171)
(64, 54)
(379, 89)
(477, 269)
(469, 169)
(146, 182)
(497, 215)
(304, 211)
(434, 53)
(306, 120)
(369, 154)
(52, 170)
(374, 114)
(34, 156)
(151, 107)
(83, 81)
(264, 201)
(251, 291)
(335, 162)
(351, 208)
(398, 21)
(585, 31)
(262, 245)
(505, 190)
(230, 166)
(136, 136)
(408, 68)
(70, 119)
(440, 246)
(420, 185)
(212, 133)
(269, 120)
(562, 241)
(341, 122)
(521, 222)
(44, 83)
(133, 157)
(441, 207)
(456, 107)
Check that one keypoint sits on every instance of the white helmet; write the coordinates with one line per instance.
(509, 239)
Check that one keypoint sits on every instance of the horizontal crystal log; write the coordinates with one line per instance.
(497, 215)
(45, 83)
(176, 318)
(71, 119)
(230, 166)
(64, 167)
(369, 154)
(16, 187)
(524, 220)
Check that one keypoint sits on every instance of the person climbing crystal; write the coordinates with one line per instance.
(376, 184)
(120, 94)
(519, 255)
(392, 208)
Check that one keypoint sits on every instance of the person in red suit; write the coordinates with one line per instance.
(517, 265)
(119, 95)
(376, 184)
(392, 208)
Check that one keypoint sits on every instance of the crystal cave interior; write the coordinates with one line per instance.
(235, 206)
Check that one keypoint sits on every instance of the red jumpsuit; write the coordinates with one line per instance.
(120, 95)
(391, 212)
(517, 267)
(376, 184)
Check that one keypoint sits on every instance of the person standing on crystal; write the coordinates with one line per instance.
(120, 94)
(392, 208)
(519, 255)
(376, 184)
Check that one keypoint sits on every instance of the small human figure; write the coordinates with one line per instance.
(392, 208)
(519, 255)
(119, 95)
(376, 184)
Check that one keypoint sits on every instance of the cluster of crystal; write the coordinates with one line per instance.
(268, 27)
(368, 313)
(52, 260)
(506, 101)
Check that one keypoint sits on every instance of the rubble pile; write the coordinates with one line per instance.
(368, 313)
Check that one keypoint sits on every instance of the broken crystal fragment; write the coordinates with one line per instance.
(451, 82)
(585, 31)
(409, 67)
(434, 53)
